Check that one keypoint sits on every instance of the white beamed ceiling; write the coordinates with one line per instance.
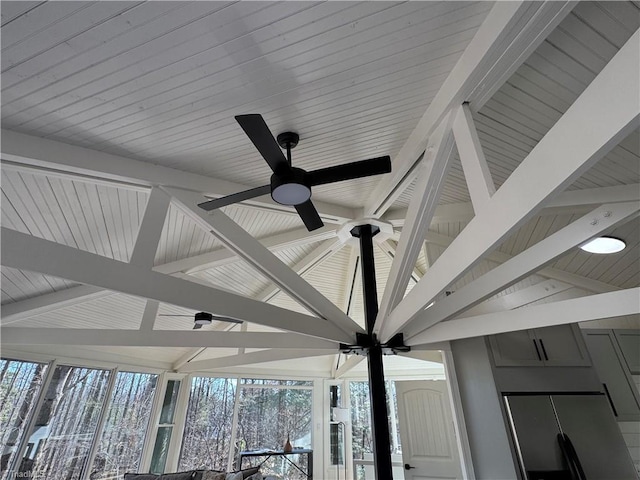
(160, 82)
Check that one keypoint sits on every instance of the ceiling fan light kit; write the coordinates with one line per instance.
(289, 185)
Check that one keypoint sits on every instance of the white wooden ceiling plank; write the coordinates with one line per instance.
(38, 19)
(91, 40)
(122, 51)
(62, 31)
(610, 21)
(10, 11)
(88, 197)
(283, 55)
(36, 254)
(592, 307)
(114, 231)
(40, 188)
(298, 83)
(560, 67)
(539, 87)
(531, 108)
(589, 59)
(72, 213)
(10, 216)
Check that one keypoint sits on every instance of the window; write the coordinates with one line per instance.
(20, 384)
(207, 434)
(126, 422)
(165, 427)
(65, 425)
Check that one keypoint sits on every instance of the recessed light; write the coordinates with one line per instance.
(604, 245)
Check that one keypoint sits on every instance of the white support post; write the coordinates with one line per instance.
(508, 35)
(146, 246)
(50, 258)
(434, 169)
(583, 309)
(476, 171)
(606, 112)
(527, 262)
(252, 251)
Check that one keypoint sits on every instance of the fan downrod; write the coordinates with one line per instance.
(288, 140)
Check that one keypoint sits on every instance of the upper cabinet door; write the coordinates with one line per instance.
(516, 349)
(629, 341)
(562, 346)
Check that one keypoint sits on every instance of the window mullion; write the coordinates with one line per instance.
(86, 471)
(32, 418)
(234, 426)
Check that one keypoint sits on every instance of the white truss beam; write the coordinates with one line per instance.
(431, 179)
(571, 201)
(348, 365)
(149, 315)
(146, 246)
(161, 338)
(253, 252)
(583, 309)
(509, 34)
(389, 250)
(589, 284)
(253, 358)
(474, 164)
(38, 255)
(605, 113)
(519, 298)
(523, 264)
(40, 152)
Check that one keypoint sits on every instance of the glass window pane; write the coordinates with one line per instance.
(20, 384)
(125, 426)
(66, 423)
(207, 434)
(268, 416)
(161, 450)
(169, 402)
(289, 383)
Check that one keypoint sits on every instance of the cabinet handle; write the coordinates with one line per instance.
(535, 344)
(613, 407)
(544, 350)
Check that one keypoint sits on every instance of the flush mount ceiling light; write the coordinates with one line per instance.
(604, 245)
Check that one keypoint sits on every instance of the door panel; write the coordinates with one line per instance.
(426, 431)
(589, 423)
(562, 346)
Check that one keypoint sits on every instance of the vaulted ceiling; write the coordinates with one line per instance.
(118, 117)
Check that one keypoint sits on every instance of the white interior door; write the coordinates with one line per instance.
(426, 431)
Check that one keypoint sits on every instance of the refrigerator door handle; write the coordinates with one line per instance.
(574, 457)
(567, 457)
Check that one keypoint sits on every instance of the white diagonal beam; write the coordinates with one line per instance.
(38, 255)
(571, 201)
(605, 113)
(14, 312)
(583, 309)
(474, 164)
(40, 152)
(253, 358)
(434, 168)
(149, 316)
(519, 298)
(253, 252)
(222, 256)
(160, 338)
(509, 34)
(148, 239)
(589, 284)
(523, 264)
(389, 250)
(350, 364)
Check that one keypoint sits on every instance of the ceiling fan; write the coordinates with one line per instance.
(290, 185)
(204, 318)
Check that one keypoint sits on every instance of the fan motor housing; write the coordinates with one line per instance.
(290, 187)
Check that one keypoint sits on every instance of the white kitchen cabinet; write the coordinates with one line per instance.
(629, 342)
(610, 364)
(559, 346)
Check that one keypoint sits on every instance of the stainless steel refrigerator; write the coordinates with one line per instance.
(568, 437)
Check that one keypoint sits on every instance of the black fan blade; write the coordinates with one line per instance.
(348, 171)
(226, 319)
(197, 326)
(235, 198)
(258, 132)
(309, 215)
